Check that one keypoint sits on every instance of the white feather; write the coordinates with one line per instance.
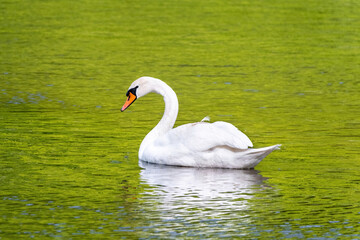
(206, 119)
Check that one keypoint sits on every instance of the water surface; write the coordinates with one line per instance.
(282, 72)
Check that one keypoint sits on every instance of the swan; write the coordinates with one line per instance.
(201, 144)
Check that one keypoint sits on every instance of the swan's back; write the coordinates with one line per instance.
(203, 136)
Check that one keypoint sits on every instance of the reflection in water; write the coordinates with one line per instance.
(213, 192)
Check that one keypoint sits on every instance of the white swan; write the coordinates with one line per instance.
(201, 144)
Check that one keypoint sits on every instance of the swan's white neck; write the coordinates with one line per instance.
(168, 120)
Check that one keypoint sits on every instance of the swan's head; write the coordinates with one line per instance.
(139, 88)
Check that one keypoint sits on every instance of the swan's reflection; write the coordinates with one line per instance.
(213, 190)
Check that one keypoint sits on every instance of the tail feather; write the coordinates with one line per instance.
(253, 156)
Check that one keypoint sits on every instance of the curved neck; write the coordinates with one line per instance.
(168, 119)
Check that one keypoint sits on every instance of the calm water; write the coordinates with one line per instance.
(283, 72)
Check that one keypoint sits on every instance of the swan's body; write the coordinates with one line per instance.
(201, 144)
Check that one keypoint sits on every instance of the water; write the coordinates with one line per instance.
(283, 72)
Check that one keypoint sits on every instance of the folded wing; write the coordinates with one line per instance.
(203, 136)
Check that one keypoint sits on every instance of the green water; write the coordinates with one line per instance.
(282, 71)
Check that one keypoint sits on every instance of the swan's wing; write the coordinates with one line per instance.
(203, 136)
(239, 138)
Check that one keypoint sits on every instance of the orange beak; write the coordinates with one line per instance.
(131, 98)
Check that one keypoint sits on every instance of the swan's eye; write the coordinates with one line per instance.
(132, 90)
